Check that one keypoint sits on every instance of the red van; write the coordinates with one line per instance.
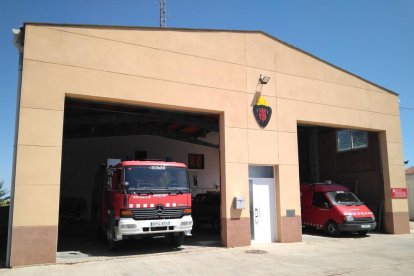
(334, 208)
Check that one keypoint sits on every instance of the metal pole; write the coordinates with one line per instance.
(163, 13)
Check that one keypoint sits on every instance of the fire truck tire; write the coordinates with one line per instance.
(331, 228)
(110, 235)
(177, 239)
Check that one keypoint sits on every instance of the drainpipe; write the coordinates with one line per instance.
(18, 42)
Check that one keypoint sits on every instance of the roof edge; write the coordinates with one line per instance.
(330, 64)
(211, 30)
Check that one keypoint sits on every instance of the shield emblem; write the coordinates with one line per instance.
(262, 113)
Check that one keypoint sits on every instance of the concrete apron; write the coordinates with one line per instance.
(376, 254)
(84, 249)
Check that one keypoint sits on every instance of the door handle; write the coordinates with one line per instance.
(256, 215)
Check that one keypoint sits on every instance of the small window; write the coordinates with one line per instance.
(196, 161)
(359, 139)
(261, 171)
(349, 139)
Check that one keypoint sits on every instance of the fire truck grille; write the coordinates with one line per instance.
(149, 213)
(364, 219)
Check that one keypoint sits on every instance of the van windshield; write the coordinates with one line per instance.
(343, 198)
(154, 179)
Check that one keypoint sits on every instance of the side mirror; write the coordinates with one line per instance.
(326, 205)
(125, 188)
(109, 175)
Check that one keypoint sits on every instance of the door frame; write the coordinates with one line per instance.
(272, 203)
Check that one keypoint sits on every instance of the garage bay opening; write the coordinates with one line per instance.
(340, 168)
(137, 180)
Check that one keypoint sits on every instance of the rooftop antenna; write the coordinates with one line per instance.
(163, 13)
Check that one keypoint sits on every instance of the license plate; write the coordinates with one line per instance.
(365, 226)
(160, 223)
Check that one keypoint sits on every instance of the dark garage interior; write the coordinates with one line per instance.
(4, 222)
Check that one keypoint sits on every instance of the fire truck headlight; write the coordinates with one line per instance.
(186, 223)
(128, 226)
(349, 218)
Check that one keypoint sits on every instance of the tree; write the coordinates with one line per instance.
(4, 199)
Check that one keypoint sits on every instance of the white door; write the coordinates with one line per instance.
(262, 208)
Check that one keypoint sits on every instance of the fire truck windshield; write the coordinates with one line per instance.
(343, 198)
(156, 178)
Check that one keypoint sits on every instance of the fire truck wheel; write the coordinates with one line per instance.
(331, 228)
(110, 234)
(177, 239)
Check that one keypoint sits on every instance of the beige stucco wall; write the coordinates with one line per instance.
(205, 71)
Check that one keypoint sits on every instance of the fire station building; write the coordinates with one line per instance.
(251, 116)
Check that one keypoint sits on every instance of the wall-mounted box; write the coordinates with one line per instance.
(290, 213)
(239, 202)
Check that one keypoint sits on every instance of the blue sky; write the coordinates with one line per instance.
(372, 38)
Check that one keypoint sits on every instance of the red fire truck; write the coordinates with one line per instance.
(334, 208)
(145, 198)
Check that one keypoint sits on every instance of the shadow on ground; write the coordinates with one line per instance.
(312, 232)
(78, 248)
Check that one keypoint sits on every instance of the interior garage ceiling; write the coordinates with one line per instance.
(86, 119)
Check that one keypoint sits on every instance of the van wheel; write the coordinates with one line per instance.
(331, 228)
(362, 233)
(177, 239)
